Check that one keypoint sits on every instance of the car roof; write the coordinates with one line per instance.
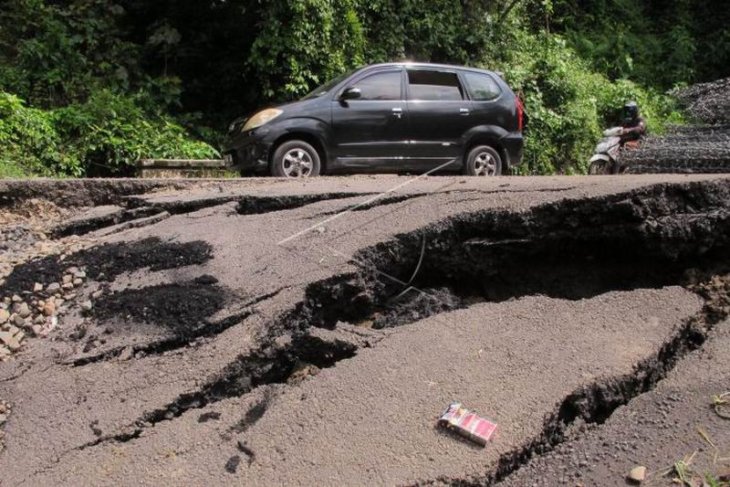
(413, 64)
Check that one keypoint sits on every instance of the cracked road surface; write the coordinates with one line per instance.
(252, 332)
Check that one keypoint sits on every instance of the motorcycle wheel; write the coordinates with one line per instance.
(599, 168)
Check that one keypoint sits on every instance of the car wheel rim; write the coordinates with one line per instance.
(297, 163)
(485, 164)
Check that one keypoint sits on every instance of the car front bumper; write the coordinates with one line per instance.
(248, 152)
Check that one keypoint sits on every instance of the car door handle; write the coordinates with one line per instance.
(464, 111)
(398, 112)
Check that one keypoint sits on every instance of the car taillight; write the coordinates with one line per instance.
(520, 113)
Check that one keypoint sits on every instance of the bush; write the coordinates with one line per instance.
(110, 132)
(29, 143)
(105, 135)
(569, 105)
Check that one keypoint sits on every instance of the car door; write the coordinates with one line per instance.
(485, 92)
(440, 114)
(371, 131)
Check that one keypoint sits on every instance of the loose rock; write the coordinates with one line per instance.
(49, 308)
(22, 309)
(127, 353)
(9, 340)
(4, 316)
(53, 287)
(637, 474)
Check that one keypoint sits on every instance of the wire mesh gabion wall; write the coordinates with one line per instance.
(701, 148)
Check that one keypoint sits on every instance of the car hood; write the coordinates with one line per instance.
(288, 108)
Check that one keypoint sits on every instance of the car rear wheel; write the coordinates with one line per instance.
(483, 160)
(295, 159)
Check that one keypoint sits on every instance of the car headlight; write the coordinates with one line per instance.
(261, 118)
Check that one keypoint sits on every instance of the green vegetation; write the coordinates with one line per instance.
(89, 86)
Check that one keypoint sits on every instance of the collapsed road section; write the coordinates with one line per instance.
(544, 306)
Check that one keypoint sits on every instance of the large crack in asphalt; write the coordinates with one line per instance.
(596, 402)
(270, 364)
(138, 208)
(571, 249)
(255, 205)
(175, 306)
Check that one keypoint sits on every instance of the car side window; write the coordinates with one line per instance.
(482, 87)
(380, 86)
(433, 85)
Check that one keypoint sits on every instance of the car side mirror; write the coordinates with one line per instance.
(351, 93)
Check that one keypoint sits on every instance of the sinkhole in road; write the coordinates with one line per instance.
(572, 249)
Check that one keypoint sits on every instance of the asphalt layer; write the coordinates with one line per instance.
(271, 332)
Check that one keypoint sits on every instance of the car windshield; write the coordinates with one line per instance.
(325, 88)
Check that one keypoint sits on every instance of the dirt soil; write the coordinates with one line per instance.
(268, 332)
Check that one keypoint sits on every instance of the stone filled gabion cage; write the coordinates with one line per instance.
(702, 147)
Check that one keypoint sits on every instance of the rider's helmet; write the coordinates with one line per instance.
(630, 112)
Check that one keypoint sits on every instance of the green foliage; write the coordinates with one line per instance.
(104, 135)
(53, 55)
(569, 105)
(72, 62)
(110, 131)
(660, 43)
(303, 43)
(29, 143)
(89, 86)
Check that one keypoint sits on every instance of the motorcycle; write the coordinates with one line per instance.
(605, 157)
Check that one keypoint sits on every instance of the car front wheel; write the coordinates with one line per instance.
(295, 159)
(483, 160)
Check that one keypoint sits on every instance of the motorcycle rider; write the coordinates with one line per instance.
(606, 159)
(634, 126)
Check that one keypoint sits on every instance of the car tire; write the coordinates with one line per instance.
(295, 159)
(483, 160)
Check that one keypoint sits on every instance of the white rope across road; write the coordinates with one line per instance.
(366, 202)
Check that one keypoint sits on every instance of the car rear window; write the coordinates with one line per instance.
(434, 85)
(482, 87)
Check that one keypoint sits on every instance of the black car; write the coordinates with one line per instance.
(397, 117)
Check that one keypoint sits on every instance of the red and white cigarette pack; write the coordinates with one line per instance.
(467, 423)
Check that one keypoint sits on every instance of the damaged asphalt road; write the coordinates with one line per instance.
(257, 334)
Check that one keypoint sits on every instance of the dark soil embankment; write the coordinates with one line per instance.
(107, 261)
(183, 308)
